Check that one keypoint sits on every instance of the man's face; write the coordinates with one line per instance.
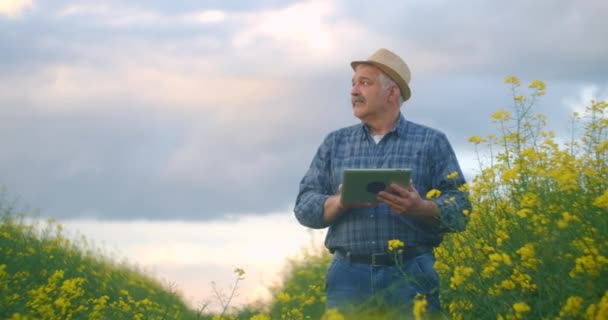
(368, 98)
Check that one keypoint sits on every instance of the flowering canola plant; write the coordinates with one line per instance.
(44, 275)
(536, 246)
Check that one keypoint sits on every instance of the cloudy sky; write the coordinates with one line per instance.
(179, 118)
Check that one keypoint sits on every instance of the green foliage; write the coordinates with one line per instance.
(44, 275)
(536, 246)
(302, 294)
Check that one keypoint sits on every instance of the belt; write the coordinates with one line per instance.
(384, 259)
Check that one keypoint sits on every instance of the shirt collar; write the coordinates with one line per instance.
(399, 128)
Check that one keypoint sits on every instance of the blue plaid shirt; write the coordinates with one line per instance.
(367, 230)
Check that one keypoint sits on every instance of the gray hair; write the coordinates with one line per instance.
(387, 83)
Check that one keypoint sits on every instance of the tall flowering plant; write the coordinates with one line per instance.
(536, 245)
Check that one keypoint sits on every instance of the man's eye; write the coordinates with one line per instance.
(362, 83)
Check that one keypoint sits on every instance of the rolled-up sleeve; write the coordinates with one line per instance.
(314, 189)
(453, 200)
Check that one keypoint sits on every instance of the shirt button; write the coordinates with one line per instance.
(373, 242)
(371, 216)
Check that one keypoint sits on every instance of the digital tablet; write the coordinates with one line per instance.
(363, 185)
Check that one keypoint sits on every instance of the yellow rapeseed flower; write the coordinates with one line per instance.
(240, 272)
(452, 175)
(539, 86)
(464, 188)
(529, 200)
(523, 280)
(419, 306)
(567, 180)
(332, 314)
(602, 201)
(509, 174)
(488, 271)
(283, 297)
(495, 257)
(434, 193)
(501, 115)
(461, 274)
(527, 251)
(476, 139)
(598, 311)
(395, 245)
(524, 213)
(572, 309)
(567, 217)
(501, 237)
(18, 316)
(589, 264)
(521, 308)
(514, 80)
(507, 284)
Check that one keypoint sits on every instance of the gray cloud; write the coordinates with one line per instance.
(560, 39)
(163, 118)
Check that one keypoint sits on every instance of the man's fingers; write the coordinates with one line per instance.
(398, 198)
(397, 189)
(411, 186)
(389, 197)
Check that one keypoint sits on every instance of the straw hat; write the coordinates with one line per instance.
(393, 66)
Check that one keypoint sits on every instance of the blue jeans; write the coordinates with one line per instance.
(348, 285)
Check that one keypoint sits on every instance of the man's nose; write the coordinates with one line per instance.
(354, 90)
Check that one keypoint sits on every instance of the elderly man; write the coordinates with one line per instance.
(362, 268)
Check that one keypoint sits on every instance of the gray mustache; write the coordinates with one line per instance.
(355, 99)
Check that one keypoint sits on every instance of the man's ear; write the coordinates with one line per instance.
(395, 93)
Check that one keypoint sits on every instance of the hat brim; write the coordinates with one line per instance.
(406, 93)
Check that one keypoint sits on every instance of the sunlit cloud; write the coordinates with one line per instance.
(112, 15)
(14, 8)
(84, 9)
(68, 88)
(302, 26)
(301, 23)
(209, 16)
(120, 15)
